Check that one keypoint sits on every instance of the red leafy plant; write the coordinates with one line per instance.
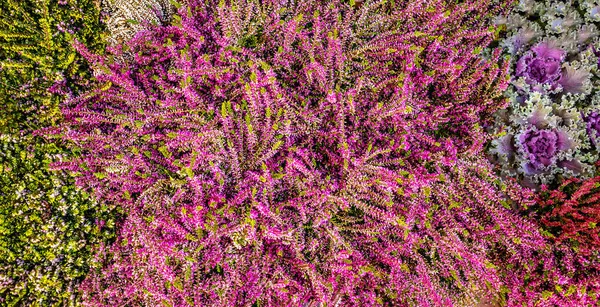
(569, 216)
(567, 271)
(273, 153)
(571, 213)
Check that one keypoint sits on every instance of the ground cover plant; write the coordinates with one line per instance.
(286, 153)
(274, 153)
(47, 224)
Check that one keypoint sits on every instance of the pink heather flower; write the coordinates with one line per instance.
(303, 155)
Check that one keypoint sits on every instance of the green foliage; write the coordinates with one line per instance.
(47, 226)
(36, 52)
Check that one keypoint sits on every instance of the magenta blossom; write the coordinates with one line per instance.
(273, 155)
(541, 147)
(541, 65)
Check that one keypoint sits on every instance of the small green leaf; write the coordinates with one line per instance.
(176, 4)
(164, 151)
(427, 191)
(188, 171)
(547, 294)
(224, 109)
(277, 145)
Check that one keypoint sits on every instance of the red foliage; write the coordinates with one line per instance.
(571, 213)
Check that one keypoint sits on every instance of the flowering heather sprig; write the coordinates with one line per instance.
(434, 251)
(554, 49)
(557, 276)
(276, 154)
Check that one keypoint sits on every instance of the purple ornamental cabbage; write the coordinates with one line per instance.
(573, 80)
(541, 147)
(542, 66)
(595, 13)
(593, 126)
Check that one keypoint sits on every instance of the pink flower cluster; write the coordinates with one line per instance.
(273, 153)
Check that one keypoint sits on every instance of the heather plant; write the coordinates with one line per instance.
(548, 132)
(273, 153)
(47, 225)
(348, 259)
(568, 272)
(570, 213)
(557, 276)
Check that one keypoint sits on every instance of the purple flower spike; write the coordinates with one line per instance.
(541, 65)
